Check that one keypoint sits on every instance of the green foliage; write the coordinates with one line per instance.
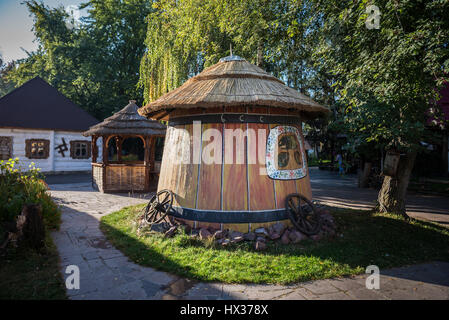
(19, 187)
(5, 85)
(186, 36)
(96, 64)
(381, 239)
(386, 77)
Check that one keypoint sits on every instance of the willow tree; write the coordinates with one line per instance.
(96, 64)
(388, 62)
(185, 36)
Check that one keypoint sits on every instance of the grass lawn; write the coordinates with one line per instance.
(430, 187)
(28, 274)
(364, 239)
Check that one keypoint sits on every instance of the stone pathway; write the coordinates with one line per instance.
(105, 273)
(333, 190)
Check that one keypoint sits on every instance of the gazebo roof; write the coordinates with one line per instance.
(127, 122)
(233, 82)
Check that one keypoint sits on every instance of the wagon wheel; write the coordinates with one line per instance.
(158, 206)
(304, 217)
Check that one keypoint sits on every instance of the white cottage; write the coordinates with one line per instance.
(38, 124)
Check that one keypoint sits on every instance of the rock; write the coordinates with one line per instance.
(250, 236)
(261, 239)
(237, 239)
(285, 239)
(171, 232)
(213, 230)
(220, 234)
(161, 227)
(326, 217)
(274, 236)
(186, 228)
(295, 236)
(260, 245)
(328, 230)
(235, 234)
(317, 237)
(204, 234)
(278, 227)
(261, 231)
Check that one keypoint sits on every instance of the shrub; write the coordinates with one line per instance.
(19, 187)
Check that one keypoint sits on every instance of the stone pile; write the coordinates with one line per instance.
(278, 232)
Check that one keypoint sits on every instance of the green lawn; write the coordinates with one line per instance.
(364, 239)
(29, 274)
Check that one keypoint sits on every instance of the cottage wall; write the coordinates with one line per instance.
(56, 162)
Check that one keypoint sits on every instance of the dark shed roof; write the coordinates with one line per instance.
(37, 105)
(127, 122)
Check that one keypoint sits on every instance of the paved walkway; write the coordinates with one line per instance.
(105, 273)
(331, 189)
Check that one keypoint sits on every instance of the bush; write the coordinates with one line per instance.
(19, 187)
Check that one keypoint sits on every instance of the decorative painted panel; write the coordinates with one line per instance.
(285, 157)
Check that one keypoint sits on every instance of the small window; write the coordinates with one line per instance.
(37, 148)
(80, 149)
(285, 154)
(5, 148)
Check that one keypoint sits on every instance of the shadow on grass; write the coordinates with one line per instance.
(29, 274)
(363, 239)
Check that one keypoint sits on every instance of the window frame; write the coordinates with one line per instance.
(271, 155)
(73, 147)
(7, 140)
(28, 146)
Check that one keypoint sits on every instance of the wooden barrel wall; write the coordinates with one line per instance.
(224, 189)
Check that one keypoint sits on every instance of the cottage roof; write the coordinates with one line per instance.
(37, 105)
(233, 82)
(127, 121)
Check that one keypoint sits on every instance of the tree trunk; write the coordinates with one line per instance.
(444, 156)
(363, 183)
(28, 229)
(391, 196)
(33, 228)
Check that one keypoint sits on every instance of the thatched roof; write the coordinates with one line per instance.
(127, 121)
(234, 82)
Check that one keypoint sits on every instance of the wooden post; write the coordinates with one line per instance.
(105, 150)
(146, 144)
(94, 149)
(105, 162)
(152, 152)
(147, 162)
(118, 144)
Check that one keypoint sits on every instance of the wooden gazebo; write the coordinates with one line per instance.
(121, 170)
(239, 101)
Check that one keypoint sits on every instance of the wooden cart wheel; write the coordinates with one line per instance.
(303, 215)
(158, 206)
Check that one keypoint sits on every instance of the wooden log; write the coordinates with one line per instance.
(29, 229)
(33, 228)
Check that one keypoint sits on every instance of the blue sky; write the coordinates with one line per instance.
(16, 24)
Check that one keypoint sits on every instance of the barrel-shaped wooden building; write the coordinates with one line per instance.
(234, 147)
